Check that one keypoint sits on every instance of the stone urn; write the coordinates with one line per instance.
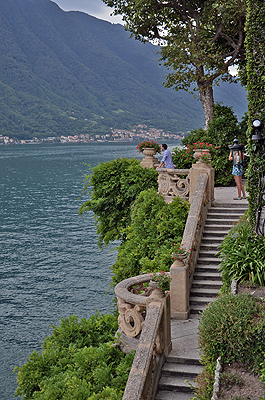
(155, 290)
(149, 161)
(202, 152)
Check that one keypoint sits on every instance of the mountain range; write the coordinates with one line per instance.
(64, 73)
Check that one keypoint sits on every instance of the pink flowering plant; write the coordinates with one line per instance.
(183, 158)
(149, 144)
(180, 251)
(205, 157)
(162, 279)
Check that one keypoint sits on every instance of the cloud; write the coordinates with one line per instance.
(92, 7)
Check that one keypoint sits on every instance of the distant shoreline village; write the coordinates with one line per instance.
(116, 135)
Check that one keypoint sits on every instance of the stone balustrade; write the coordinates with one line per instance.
(144, 315)
(182, 271)
(173, 182)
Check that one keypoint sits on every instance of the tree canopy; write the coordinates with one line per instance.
(114, 186)
(199, 40)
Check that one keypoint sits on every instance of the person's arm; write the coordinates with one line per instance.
(230, 158)
(162, 164)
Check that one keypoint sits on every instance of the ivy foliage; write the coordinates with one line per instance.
(156, 229)
(80, 360)
(221, 133)
(114, 186)
(254, 75)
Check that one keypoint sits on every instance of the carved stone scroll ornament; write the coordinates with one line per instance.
(130, 318)
(171, 184)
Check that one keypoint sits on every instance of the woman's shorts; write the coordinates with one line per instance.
(237, 170)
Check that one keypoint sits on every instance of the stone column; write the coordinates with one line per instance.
(202, 168)
(179, 290)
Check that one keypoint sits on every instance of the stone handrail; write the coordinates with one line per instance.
(133, 297)
(173, 182)
(182, 271)
(144, 316)
(154, 344)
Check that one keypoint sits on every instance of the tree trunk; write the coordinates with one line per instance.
(206, 98)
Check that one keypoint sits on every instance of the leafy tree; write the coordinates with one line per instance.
(221, 132)
(201, 39)
(114, 187)
(156, 229)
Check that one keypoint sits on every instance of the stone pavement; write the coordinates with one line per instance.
(226, 195)
(184, 336)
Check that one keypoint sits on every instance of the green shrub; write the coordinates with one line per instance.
(114, 186)
(80, 360)
(156, 229)
(221, 132)
(233, 327)
(243, 256)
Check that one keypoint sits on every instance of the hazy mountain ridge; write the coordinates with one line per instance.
(67, 73)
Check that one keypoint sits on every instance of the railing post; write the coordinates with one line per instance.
(179, 290)
(196, 170)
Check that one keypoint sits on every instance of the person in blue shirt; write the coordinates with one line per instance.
(167, 158)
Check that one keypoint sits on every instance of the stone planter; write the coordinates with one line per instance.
(199, 152)
(149, 161)
(156, 292)
(181, 256)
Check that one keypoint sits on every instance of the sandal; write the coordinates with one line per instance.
(238, 198)
(244, 198)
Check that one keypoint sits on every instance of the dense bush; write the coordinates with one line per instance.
(243, 256)
(233, 327)
(221, 132)
(114, 186)
(80, 360)
(155, 231)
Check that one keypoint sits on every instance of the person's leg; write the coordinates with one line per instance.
(242, 186)
(238, 185)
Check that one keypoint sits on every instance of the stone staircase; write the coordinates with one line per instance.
(179, 373)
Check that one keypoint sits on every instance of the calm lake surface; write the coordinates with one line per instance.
(51, 266)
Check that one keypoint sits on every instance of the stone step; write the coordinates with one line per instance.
(214, 276)
(207, 268)
(210, 247)
(230, 216)
(227, 210)
(184, 370)
(230, 205)
(176, 383)
(210, 232)
(227, 222)
(209, 254)
(208, 240)
(198, 300)
(172, 395)
(189, 359)
(197, 292)
(197, 309)
(208, 260)
(204, 284)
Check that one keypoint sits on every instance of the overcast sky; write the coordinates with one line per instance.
(93, 7)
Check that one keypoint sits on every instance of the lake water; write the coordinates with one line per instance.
(51, 266)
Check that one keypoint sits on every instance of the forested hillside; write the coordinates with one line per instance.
(67, 73)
